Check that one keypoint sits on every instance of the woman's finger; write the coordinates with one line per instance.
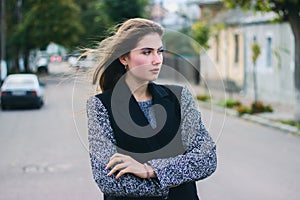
(116, 155)
(116, 168)
(121, 173)
(113, 162)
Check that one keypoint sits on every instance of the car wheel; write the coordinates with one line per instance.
(43, 70)
(40, 104)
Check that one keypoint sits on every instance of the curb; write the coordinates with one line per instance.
(252, 118)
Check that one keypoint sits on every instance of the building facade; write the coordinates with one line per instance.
(230, 51)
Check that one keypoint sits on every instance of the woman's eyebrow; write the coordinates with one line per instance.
(149, 48)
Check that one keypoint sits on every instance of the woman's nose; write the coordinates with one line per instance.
(157, 59)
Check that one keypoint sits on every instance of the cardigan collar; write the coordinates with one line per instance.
(121, 91)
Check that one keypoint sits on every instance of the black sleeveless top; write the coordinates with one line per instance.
(136, 138)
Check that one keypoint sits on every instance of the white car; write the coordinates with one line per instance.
(84, 61)
(22, 90)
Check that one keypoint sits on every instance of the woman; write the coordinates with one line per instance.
(147, 141)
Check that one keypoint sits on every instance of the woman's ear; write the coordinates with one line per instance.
(123, 60)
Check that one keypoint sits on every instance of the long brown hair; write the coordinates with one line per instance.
(109, 69)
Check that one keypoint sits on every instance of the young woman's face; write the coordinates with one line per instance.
(145, 60)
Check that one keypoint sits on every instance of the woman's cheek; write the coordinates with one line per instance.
(140, 62)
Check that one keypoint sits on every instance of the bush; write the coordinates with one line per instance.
(243, 110)
(229, 103)
(203, 97)
(256, 107)
(259, 107)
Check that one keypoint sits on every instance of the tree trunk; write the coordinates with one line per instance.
(294, 20)
(26, 63)
(255, 83)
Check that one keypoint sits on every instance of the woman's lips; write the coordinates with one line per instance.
(155, 70)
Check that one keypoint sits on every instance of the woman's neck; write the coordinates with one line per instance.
(139, 89)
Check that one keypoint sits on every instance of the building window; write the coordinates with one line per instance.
(269, 51)
(217, 47)
(254, 38)
(236, 48)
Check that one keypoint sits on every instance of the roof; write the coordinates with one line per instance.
(239, 17)
(205, 2)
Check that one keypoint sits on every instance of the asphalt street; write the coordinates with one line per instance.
(44, 153)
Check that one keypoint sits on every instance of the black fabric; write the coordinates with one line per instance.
(131, 198)
(132, 131)
(187, 191)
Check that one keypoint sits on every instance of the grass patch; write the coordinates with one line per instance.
(291, 123)
(203, 97)
(229, 103)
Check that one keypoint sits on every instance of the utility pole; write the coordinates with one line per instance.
(3, 39)
(21, 63)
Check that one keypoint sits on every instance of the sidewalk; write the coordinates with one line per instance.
(280, 111)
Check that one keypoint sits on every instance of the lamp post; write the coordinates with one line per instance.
(3, 38)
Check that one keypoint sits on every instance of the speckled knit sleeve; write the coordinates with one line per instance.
(102, 147)
(200, 160)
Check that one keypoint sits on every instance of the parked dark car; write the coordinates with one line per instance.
(22, 90)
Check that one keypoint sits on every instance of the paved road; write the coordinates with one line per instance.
(42, 155)
(44, 152)
(254, 162)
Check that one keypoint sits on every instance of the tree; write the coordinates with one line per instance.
(116, 11)
(200, 32)
(287, 10)
(98, 17)
(48, 21)
(92, 21)
(51, 21)
(255, 54)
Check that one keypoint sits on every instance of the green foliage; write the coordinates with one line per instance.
(255, 51)
(99, 16)
(229, 103)
(192, 39)
(182, 46)
(242, 109)
(36, 23)
(200, 32)
(255, 54)
(203, 97)
(258, 107)
(93, 22)
(50, 21)
(255, 107)
(70, 23)
(265, 6)
(291, 123)
(116, 11)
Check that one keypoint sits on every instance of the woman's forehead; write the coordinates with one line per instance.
(152, 40)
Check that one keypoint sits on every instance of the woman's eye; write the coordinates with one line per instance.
(146, 52)
(160, 51)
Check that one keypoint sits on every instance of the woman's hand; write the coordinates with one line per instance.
(125, 164)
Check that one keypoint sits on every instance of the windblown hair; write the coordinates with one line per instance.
(109, 69)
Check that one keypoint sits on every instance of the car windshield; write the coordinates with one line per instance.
(20, 81)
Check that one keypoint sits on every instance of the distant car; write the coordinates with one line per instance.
(39, 61)
(55, 58)
(22, 90)
(84, 61)
(42, 64)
